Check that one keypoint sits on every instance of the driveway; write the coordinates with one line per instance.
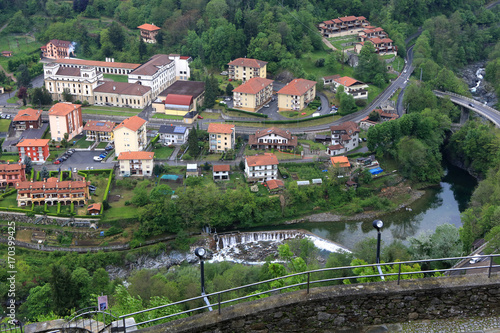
(80, 160)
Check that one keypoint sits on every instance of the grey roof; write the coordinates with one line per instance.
(190, 114)
(152, 65)
(122, 88)
(68, 71)
(170, 129)
(189, 88)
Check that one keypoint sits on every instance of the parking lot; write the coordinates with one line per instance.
(81, 159)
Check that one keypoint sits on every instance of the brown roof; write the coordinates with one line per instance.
(152, 65)
(348, 126)
(54, 182)
(297, 87)
(96, 63)
(60, 43)
(335, 147)
(222, 167)
(341, 161)
(136, 155)
(347, 81)
(99, 126)
(133, 123)
(273, 130)
(348, 18)
(10, 167)
(274, 184)
(266, 159)
(33, 143)
(63, 108)
(220, 128)
(68, 71)
(247, 62)
(253, 86)
(122, 88)
(331, 77)
(148, 27)
(94, 206)
(28, 115)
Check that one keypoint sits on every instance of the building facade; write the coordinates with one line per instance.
(221, 137)
(343, 26)
(245, 68)
(65, 118)
(27, 118)
(36, 149)
(10, 174)
(194, 92)
(136, 163)
(261, 167)
(51, 192)
(99, 130)
(221, 172)
(58, 49)
(149, 32)
(130, 135)
(345, 137)
(296, 95)
(353, 87)
(253, 94)
(106, 67)
(122, 94)
(173, 135)
(272, 138)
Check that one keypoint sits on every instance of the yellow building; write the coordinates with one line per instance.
(296, 95)
(253, 94)
(244, 69)
(101, 131)
(130, 135)
(221, 137)
(136, 163)
(122, 94)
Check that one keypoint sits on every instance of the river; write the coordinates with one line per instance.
(441, 204)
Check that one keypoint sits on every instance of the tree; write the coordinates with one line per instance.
(23, 76)
(44, 173)
(39, 301)
(116, 36)
(366, 250)
(347, 104)
(63, 290)
(40, 96)
(374, 116)
(66, 95)
(211, 91)
(193, 147)
(22, 92)
(80, 5)
(27, 162)
(370, 65)
(229, 89)
(143, 50)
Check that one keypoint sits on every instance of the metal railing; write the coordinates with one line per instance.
(305, 281)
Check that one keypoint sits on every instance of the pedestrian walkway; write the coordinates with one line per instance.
(453, 325)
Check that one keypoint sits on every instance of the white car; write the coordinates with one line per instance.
(266, 106)
(228, 98)
(97, 158)
(475, 259)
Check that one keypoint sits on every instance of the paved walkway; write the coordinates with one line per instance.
(465, 325)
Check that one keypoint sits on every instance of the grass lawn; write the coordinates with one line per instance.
(4, 125)
(102, 145)
(212, 157)
(116, 78)
(19, 45)
(12, 157)
(306, 171)
(210, 115)
(167, 116)
(111, 111)
(163, 152)
(13, 99)
(338, 41)
(9, 201)
(241, 114)
(236, 179)
(291, 124)
(313, 145)
(82, 143)
(279, 155)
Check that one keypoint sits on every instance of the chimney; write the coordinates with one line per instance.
(114, 88)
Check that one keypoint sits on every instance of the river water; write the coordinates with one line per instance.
(440, 205)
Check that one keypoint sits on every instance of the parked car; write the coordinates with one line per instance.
(108, 148)
(364, 139)
(102, 156)
(475, 259)
(319, 108)
(92, 188)
(200, 117)
(97, 158)
(64, 157)
(266, 106)
(228, 98)
(57, 161)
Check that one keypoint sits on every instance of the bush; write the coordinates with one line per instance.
(113, 231)
(360, 102)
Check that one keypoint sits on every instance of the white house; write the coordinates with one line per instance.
(171, 135)
(261, 167)
(345, 137)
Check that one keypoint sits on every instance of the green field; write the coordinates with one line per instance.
(338, 41)
(167, 116)
(111, 111)
(163, 152)
(279, 154)
(4, 125)
(116, 78)
(308, 62)
(19, 45)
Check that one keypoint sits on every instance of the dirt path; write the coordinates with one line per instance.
(8, 74)
(328, 44)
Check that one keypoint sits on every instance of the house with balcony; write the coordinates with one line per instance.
(130, 135)
(353, 87)
(136, 163)
(343, 26)
(221, 137)
(366, 123)
(261, 167)
(173, 135)
(51, 191)
(345, 137)
(65, 118)
(253, 94)
(382, 45)
(296, 95)
(10, 174)
(371, 32)
(58, 49)
(221, 172)
(27, 119)
(272, 138)
(36, 149)
(99, 130)
(245, 68)
(149, 32)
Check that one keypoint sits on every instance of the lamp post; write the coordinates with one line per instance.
(378, 224)
(200, 253)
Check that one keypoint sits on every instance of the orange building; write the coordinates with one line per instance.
(26, 119)
(149, 32)
(58, 49)
(12, 173)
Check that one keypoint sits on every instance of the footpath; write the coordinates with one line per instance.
(454, 325)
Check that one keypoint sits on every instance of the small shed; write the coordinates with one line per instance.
(274, 184)
(94, 209)
(7, 53)
(303, 182)
(317, 181)
(350, 184)
(38, 237)
(192, 170)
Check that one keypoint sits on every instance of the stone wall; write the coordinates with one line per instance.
(350, 308)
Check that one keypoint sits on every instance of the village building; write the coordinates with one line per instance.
(173, 135)
(7, 54)
(296, 95)
(105, 67)
(192, 170)
(94, 209)
(245, 68)
(221, 137)
(366, 123)
(253, 94)
(99, 130)
(185, 96)
(58, 49)
(345, 137)
(371, 32)
(36, 149)
(382, 45)
(149, 32)
(65, 118)
(122, 94)
(261, 167)
(136, 163)
(272, 138)
(51, 192)
(274, 185)
(343, 26)
(341, 163)
(353, 87)
(10, 174)
(221, 172)
(26, 119)
(130, 135)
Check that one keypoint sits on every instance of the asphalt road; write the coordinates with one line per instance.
(80, 160)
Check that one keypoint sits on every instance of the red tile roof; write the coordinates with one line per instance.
(133, 123)
(349, 127)
(297, 87)
(253, 86)
(179, 99)
(347, 81)
(331, 77)
(96, 63)
(60, 43)
(258, 160)
(341, 161)
(220, 128)
(348, 18)
(222, 167)
(14, 166)
(94, 206)
(136, 155)
(33, 143)
(274, 184)
(148, 27)
(62, 109)
(247, 62)
(99, 126)
(28, 115)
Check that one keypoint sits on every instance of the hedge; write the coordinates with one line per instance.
(155, 139)
(105, 197)
(84, 173)
(283, 121)
(58, 207)
(3, 195)
(255, 114)
(20, 210)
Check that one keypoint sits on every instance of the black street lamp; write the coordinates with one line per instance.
(378, 224)
(201, 253)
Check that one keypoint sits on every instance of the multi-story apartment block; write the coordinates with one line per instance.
(353, 87)
(122, 94)
(171, 135)
(79, 82)
(345, 137)
(343, 26)
(245, 68)
(36, 149)
(149, 32)
(58, 49)
(52, 191)
(26, 119)
(130, 135)
(272, 138)
(10, 174)
(296, 95)
(253, 94)
(136, 163)
(65, 118)
(261, 167)
(96, 130)
(221, 137)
